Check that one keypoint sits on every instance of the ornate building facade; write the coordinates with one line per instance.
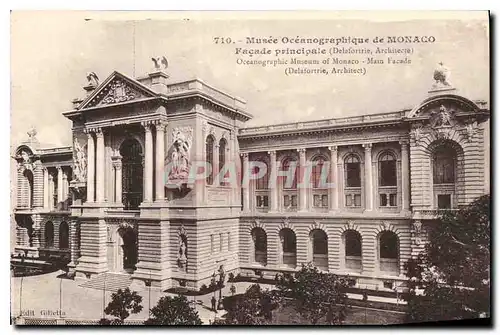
(122, 199)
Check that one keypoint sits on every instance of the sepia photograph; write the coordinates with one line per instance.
(219, 168)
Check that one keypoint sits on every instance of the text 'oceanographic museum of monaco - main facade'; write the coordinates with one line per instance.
(121, 200)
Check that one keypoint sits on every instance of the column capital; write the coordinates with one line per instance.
(404, 143)
(99, 133)
(117, 165)
(333, 148)
(51, 177)
(244, 155)
(301, 151)
(59, 168)
(272, 153)
(161, 125)
(367, 146)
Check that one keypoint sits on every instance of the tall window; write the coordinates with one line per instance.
(209, 150)
(261, 183)
(388, 251)
(287, 165)
(387, 170)
(49, 234)
(319, 248)
(63, 235)
(222, 160)
(388, 245)
(29, 181)
(259, 239)
(289, 247)
(317, 170)
(352, 243)
(444, 166)
(132, 176)
(352, 171)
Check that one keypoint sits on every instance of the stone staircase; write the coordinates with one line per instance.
(109, 281)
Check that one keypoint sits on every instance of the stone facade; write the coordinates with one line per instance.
(123, 199)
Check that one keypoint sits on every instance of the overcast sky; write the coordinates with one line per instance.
(52, 52)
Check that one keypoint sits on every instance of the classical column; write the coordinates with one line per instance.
(245, 186)
(90, 166)
(148, 163)
(100, 160)
(51, 191)
(118, 181)
(405, 175)
(302, 187)
(160, 161)
(59, 185)
(274, 188)
(334, 187)
(368, 177)
(46, 190)
(65, 185)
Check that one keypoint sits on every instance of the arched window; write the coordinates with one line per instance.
(209, 150)
(352, 171)
(28, 175)
(259, 238)
(289, 181)
(387, 170)
(317, 171)
(352, 244)
(289, 247)
(49, 234)
(444, 166)
(319, 242)
(63, 235)
(222, 160)
(261, 183)
(132, 173)
(389, 252)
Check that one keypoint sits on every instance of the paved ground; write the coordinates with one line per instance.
(42, 296)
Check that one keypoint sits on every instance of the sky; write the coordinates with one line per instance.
(51, 53)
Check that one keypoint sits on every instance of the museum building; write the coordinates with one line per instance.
(119, 203)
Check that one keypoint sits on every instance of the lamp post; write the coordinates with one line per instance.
(365, 299)
(60, 298)
(148, 284)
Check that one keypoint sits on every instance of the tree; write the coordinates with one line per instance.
(453, 272)
(315, 295)
(122, 304)
(173, 311)
(254, 307)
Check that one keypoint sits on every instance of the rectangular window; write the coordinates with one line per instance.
(212, 243)
(353, 176)
(229, 241)
(383, 200)
(294, 201)
(444, 201)
(324, 200)
(357, 200)
(392, 200)
(317, 199)
(286, 201)
(221, 241)
(388, 174)
(262, 201)
(388, 284)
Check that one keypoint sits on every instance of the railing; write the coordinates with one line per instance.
(353, 263)
(320, 261)
(290, 200)
(261, 257)
(394, 116)
(290, 259)
(261, 200)
(389, 265)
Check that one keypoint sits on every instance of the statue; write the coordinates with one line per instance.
(180, 156)
(80, 166)
(158, 62)
(93, 79)
(441, 117)
(26, 157)
(441, 76)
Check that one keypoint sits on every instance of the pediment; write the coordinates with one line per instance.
(116, 89)
(439, 108)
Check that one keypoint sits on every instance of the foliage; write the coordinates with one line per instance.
(254, 307)
(123, 303)
(173, 311)
(454, 269)
(232, 289)
(230, 277)
(315, 295)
